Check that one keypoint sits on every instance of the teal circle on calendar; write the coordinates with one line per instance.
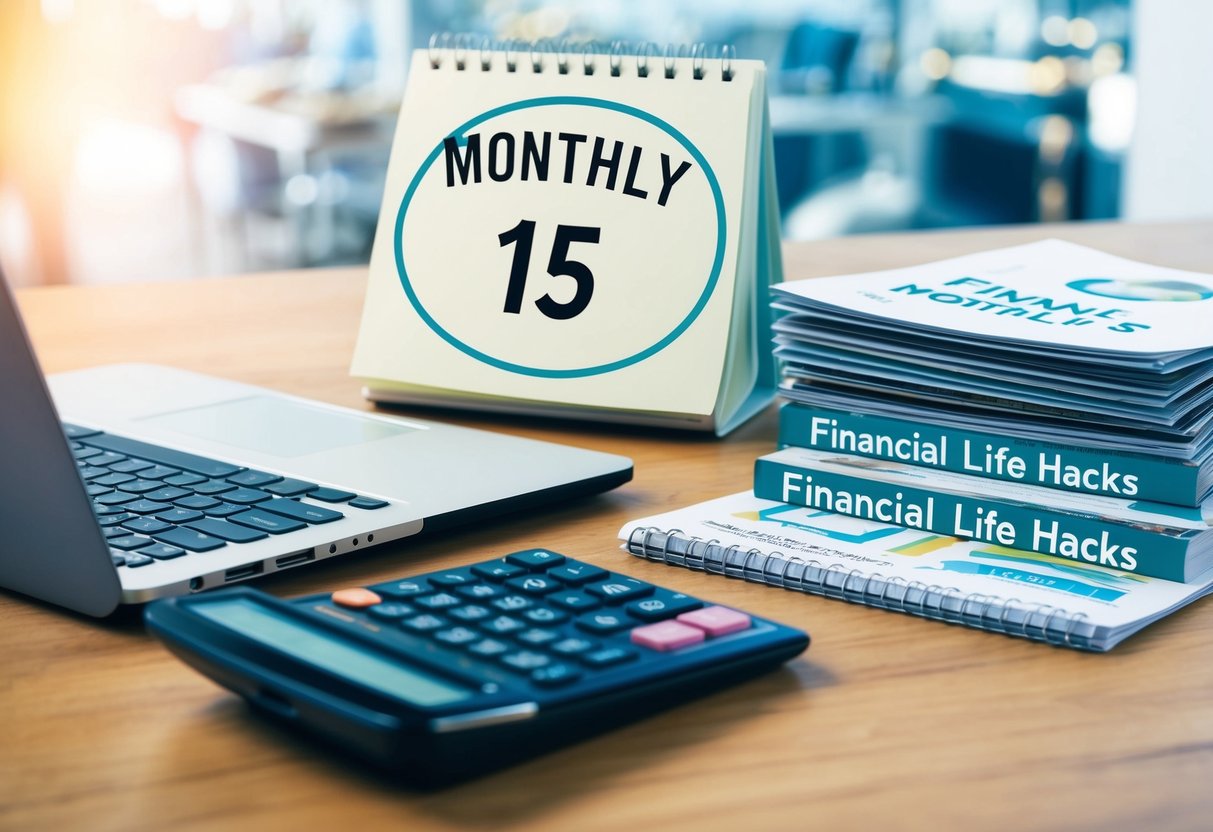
(471, 162)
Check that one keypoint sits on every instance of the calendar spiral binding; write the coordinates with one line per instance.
(1037, 622)
(467, 52)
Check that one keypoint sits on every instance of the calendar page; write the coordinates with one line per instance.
(565, 236)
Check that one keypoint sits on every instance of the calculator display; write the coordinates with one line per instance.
(329, 653)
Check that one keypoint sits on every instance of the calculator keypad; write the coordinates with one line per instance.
(541, 616)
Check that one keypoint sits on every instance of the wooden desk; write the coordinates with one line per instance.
(887, 721)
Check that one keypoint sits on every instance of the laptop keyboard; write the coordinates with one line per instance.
(156, 503)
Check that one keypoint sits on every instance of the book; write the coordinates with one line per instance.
(1089, 468)
(1049, 341)
(893, 568)
(577, 233)
(1155, 539)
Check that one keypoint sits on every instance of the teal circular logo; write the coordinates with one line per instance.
(1168, 291)
(664, 339)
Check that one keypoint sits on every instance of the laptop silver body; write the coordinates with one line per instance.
(433, 476)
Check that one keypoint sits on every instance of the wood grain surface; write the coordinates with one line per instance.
(888, 721)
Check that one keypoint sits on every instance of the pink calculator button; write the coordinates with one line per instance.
(666, 635)
(716, 621)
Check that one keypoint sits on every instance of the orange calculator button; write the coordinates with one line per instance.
(355, 598)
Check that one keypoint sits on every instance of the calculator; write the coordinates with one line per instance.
(452, 674)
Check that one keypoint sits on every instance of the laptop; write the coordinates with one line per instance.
(124, 483)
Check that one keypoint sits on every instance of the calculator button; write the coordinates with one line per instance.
(489, 647)
(535, 559)
(573, 646)
(577, 574)
(513, 603)
(534, 584)
(545, 615)
(457, 636)
(423, 623)
(717, 620)
(663, 605)
(497, 570)
(355, 598)
(525, 660)
(502, 625)
(438, 601)
(618, 589)
(607, 656)
(390, 610)
(451, 579)
(478, 592)
(604, 622)
(537, 637)
(402, 589)
(667, 635)
(470, 612)
(555, 675)
(573, 601)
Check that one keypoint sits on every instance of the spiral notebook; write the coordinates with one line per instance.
(905, 570)
(577, 232)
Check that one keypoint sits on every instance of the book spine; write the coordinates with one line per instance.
(833, 580)
(998, 456)
(1000, 522)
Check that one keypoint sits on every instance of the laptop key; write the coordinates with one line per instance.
(255, 518)
(301, 511)
(114, 519)
(166, 493)
(190, 539)
(111, 479)
(246, 496)
(116, 531)
(159, 472)
(106, 459)
(113, 498)
(212, 487)
(251, 477)
(91, 472)
(130, 466)
(225, 510)
(142, 486)
(161, 455)
(291, 488)
(331, 495)
(367, 503)
(196, 501)
(135, 560)
(184, 479)
(84, 451)
(145, 525)
(228, 531)
(142, 506)
(77, 432)
(131, 541)
(161, 551)
(178, 515)
(97, 491)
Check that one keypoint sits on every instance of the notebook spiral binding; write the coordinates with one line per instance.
(1037, 622)
(467, 52)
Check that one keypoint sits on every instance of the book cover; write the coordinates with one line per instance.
(1067, 467)
(1154, 539)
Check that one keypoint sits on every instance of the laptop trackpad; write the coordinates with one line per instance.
(277, 426)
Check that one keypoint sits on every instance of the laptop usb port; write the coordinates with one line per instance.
(295, 559)
(242, 572)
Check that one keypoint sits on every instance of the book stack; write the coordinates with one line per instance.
(1047, 397)
(1019, 440)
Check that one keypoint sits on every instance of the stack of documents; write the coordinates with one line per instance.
(1051, 342)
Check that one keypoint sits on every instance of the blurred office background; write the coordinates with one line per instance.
(159, 139)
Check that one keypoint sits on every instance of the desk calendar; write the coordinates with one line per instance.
(579, 234)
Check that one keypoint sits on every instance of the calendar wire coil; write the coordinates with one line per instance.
(1038, 622)
(469, 52)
